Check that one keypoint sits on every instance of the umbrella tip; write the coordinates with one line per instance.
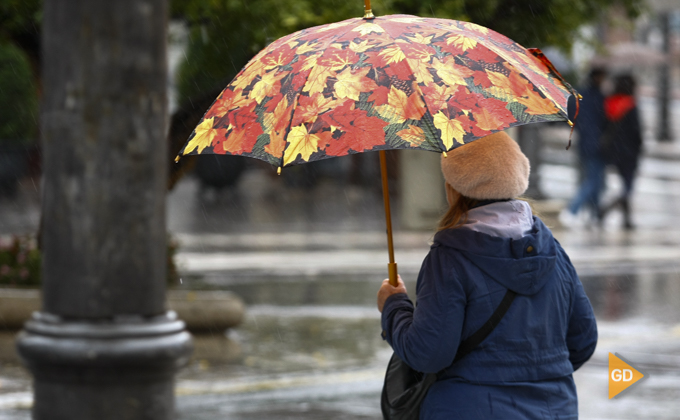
(368, 13)
(445, 155)
(580, 96)
(177, 159)
(278, 171)
(571, 124)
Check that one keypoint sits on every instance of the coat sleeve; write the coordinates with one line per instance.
(582, 330)
(427, 337)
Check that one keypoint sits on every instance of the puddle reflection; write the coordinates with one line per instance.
(287, 344)
(654, 296)
(328, 324)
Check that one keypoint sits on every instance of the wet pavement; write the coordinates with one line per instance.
(308, 264)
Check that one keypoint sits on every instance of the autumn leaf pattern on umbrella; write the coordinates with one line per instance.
(392, 82)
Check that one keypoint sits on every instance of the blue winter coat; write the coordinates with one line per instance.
(523, 368)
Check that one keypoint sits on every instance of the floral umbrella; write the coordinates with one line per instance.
(377, 83)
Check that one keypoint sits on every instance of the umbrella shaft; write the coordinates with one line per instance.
(392, 266)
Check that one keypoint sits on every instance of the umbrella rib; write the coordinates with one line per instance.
(422, 96)
(296, 101)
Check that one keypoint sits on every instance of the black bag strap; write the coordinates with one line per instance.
(478, 336)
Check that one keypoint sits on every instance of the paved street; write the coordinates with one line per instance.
(308, 264)
(311, 297)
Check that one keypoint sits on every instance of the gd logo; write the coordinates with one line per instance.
(621, 375)
(626, 377)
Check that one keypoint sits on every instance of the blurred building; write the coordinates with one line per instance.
(649, 48)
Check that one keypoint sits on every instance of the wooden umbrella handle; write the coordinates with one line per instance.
(391, 266)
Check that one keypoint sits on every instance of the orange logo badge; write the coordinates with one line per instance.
(621, 375)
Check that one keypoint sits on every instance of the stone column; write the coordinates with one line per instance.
(104, 347)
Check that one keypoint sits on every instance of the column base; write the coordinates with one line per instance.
(119, 369)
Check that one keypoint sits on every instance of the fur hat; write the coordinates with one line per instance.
(489, 168)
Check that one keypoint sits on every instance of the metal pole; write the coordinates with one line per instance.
(391, 266)
(104, 347)
(664, 127)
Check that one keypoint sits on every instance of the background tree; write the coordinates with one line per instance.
(19, 64)
(20, 22)
(18, 99)
(225, 34)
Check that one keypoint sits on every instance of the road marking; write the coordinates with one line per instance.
(319, 262)
(239, 386)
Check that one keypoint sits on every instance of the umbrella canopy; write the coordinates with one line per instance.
(392, 82)
(377, 83)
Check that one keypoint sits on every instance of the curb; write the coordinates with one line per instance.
(200, 310)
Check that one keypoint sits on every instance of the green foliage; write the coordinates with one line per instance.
(225, 34)
(19, 17)
(18, 97)
(540, 23)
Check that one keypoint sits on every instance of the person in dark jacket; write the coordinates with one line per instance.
(589, 124)
(622, 141)
(489, 242)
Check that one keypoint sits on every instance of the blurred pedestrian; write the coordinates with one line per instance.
(589, 124)
(622, 141)
(488, 243)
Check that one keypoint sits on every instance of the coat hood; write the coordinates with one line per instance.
(523, 265)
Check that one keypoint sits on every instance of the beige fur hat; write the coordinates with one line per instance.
(489, 168)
